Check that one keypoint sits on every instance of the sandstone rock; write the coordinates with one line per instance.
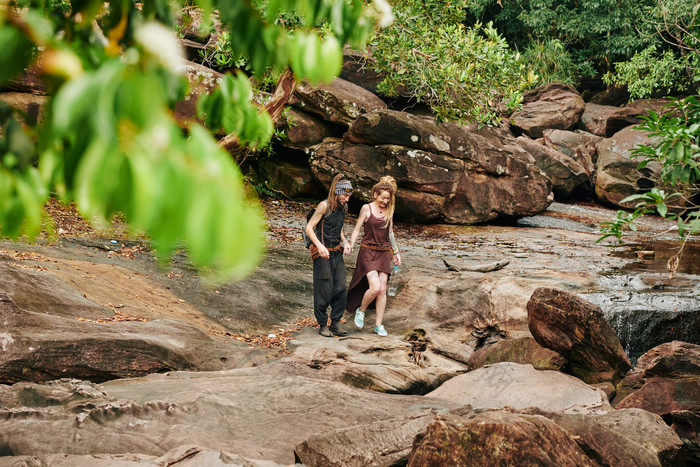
(521, 386)
(182, 456)
(617, 175)
(27, 82)
(240, 412)
(408, 365)
(385, 443)
(357, 69)
(554, 105)
(566, 174)
(291, 178)
(666, 381)
(202, 80)
(33, 105)
(496, 438)
(524, 350)
(301, 129)
(628, 437)
(568, 142)
(577, 329)
(445, 172)
(339, 102)
(606, 120)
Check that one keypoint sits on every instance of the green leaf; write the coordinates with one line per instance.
(15, 52)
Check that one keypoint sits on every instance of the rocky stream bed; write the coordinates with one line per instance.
(108, 359)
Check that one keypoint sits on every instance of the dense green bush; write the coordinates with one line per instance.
(462, 73)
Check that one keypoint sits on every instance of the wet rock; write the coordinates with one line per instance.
(496, 438)
(566, 174)
(524, 350)
(647, 310)
(521, 386)
(339, 102)
(666, 381)
(554, 105)
(575, 328)
(444, 171)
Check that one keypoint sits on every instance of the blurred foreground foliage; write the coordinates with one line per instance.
(107, 139)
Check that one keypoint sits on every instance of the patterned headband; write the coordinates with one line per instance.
(343, 187)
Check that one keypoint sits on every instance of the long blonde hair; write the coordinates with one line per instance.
(332, 197)
(387, 183)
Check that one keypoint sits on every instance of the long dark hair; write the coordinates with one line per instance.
(332, 197)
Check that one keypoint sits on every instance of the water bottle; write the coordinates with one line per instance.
(391, 290)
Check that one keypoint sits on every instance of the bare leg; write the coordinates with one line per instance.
(381, 297)
(373, 290)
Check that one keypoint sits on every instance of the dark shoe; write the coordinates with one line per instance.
(337, 330)
(325, 332)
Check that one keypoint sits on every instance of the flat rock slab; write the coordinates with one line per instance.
(239, 411)
(521, 386)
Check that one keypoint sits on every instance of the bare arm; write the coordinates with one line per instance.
(361, 218)
(394, 248)
(311, 225)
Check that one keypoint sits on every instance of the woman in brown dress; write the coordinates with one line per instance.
(378, 246)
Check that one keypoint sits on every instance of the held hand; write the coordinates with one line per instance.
(347, 249)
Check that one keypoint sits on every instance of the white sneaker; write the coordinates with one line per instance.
(359, 318)
(380, 330)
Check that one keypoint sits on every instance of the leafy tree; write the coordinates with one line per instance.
(673, 63)
(596, 33)
(108, 139)
(461, 73)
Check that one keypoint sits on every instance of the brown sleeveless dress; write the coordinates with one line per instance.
(374, 255)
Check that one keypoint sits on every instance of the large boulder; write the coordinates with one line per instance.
(521, 386)
(566, 174)
(301, 129)
(575, 328)
(202, 80)
(445, 172)
(290, 177)
(496, 438)
(523, 350)
(666, 381)
(606, 120)
(618, 177)
(357, 69)
(625, 437)
(554, 105)
(339, 102)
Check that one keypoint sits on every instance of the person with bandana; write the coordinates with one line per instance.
(325, 229)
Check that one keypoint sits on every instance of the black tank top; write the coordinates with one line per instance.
(332, 226)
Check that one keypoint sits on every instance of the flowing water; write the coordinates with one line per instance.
(642, 303)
